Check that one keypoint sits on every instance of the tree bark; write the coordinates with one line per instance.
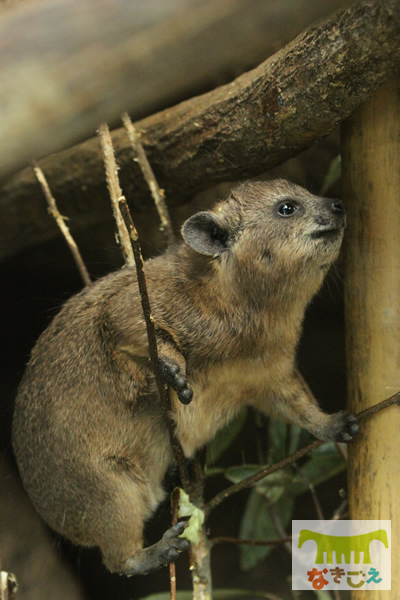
(262, 118)
(68, 65)
(371, 183)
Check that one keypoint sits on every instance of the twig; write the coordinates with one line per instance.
(115, 192)
(277, 521)
(343, 451)
(60, 220)
(313, 493)
(229, 540)
(172, 568)
(151, 334)
(249, 481)
(368, 412)
(340, 511)
(157, 193)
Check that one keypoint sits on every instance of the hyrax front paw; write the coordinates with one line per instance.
(342, 427)
(163, 552)
(176, 378)
(171, 545)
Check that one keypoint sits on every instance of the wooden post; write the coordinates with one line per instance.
(371, 183)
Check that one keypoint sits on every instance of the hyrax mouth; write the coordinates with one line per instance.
(326, 233)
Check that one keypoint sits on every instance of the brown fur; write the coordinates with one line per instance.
(89, 436)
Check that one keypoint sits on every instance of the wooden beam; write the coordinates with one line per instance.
(371, 183)
(67, 65)
(256, 122)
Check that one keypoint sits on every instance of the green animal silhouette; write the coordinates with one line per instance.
(343, 545)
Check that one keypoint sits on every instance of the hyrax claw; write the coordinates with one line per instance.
(176, 379)
(342, 427)
(176, 530)
(163, 552)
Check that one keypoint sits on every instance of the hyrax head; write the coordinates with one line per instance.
(269, 225)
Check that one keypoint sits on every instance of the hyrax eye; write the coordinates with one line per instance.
(287, 209)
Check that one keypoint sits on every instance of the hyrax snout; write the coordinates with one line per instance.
(228, 302)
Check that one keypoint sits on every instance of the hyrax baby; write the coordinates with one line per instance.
(228, 302)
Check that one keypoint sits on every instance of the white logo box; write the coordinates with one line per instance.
(341, 555)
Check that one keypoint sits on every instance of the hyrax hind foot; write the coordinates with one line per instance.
(163, 552)
(342, 427)
(176, 378)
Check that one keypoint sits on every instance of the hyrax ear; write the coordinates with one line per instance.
(205, 234)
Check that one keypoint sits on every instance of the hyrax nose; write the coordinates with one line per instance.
(338, 207)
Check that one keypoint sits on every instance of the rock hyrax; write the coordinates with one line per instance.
(228, 301)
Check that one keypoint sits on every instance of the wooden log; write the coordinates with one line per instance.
(67, 65)
(262, 118)
(371, 183)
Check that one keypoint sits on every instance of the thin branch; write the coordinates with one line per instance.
(340, 512)
(249, 481)
(151, 334)
(115, 192)
(343, 452)
(157, 193)
(172, 567)
(280, 529)
(313, 493)
(132, 252)
(60, 220)
(368, 412)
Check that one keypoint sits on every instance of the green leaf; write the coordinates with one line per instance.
(295, 437)
(285, 439)
(187, 509)
(225, 437)
(237, 473)
(278, 437)
(277, 493)
(324, 462)
(258, 525)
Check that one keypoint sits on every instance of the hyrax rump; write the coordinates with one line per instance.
(228, 301)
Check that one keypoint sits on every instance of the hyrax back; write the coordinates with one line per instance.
(228, 302)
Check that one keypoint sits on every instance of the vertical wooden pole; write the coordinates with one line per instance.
(371, 182)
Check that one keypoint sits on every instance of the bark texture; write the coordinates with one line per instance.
(264, 117)
(67, 65)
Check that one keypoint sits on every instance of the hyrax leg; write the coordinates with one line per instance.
(118, 530)
(297, 405)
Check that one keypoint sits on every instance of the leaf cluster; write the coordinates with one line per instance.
(270, 504)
